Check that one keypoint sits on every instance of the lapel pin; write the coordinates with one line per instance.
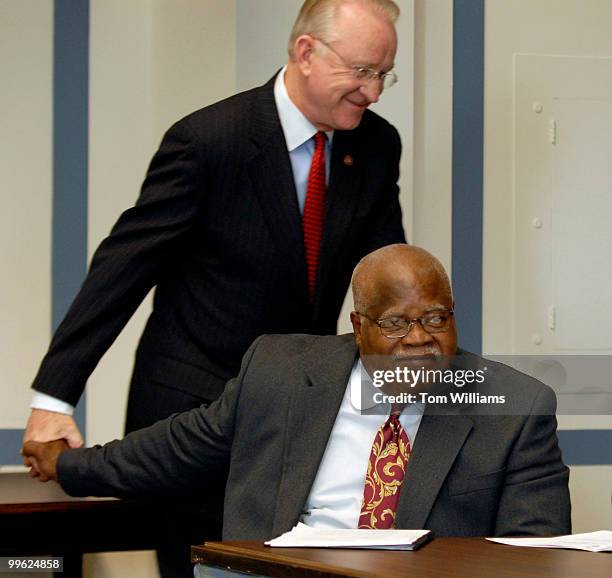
(348, 160)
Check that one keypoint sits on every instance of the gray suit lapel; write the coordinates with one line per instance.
(319, 388)
(438, 442)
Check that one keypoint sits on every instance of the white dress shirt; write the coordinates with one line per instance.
(337, 492)
(299, 133)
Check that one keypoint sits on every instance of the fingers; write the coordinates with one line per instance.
(44, 426)
(47, 435)
(31, 451)
(43, 456)
(73, 437)
(29, 462)
(34, 471)
(27, 451)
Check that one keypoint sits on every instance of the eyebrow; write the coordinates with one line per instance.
(373, 67)
(430, 309)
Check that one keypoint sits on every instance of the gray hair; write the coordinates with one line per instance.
(317, 17)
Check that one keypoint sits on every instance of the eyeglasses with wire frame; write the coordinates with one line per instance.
(387, 79)
(398, 327)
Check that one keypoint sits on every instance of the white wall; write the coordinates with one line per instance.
(566, 27)
(551, 27)
(194, 57)
(433, 123)
(26, 40)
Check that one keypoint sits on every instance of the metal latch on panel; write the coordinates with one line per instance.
(552, 317)
(552, 131)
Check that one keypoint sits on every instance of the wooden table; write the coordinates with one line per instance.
(441, 558)
(40, 519)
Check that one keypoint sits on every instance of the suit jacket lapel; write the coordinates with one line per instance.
(315, 404)
(346, 173)
(438, 442)
(269, 169)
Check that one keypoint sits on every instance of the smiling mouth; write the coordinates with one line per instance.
(361, 106)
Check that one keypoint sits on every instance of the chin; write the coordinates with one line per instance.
(348, 121)
(348, 125)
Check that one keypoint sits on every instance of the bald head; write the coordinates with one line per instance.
(401, 286)
(395, 270)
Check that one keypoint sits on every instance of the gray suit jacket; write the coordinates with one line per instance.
(469, 474)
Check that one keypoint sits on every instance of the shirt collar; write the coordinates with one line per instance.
(362, 393)
(361, 379)
(296, 127)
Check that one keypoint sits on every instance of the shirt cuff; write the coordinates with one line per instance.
(49, 403)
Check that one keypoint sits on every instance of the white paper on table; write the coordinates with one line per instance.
(600, 541)
(303, 536)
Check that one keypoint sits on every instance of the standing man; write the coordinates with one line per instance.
(252, 215)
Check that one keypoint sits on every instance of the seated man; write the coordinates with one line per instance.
(299, 450)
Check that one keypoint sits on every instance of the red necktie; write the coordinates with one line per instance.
(386, 466)
(314, 210)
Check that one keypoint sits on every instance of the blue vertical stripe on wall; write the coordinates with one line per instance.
(10, 443)
(70, 157)
(70, 152)
(70, 149)
(468, 111)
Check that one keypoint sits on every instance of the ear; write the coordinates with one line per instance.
(302, 53)
(356, 323)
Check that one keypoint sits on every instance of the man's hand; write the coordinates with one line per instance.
(43, 457)
(46, 426)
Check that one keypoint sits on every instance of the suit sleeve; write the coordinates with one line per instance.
(535, 498)
(385, 223)
(126, 265)
(174, 455)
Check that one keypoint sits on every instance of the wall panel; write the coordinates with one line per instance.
(26, 59)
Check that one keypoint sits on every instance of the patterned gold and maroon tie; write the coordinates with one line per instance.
(386, 467)
(314, 210)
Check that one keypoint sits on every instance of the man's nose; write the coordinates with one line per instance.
(372, 89)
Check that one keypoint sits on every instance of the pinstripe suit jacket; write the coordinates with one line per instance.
(217, 231)
(469, 474)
